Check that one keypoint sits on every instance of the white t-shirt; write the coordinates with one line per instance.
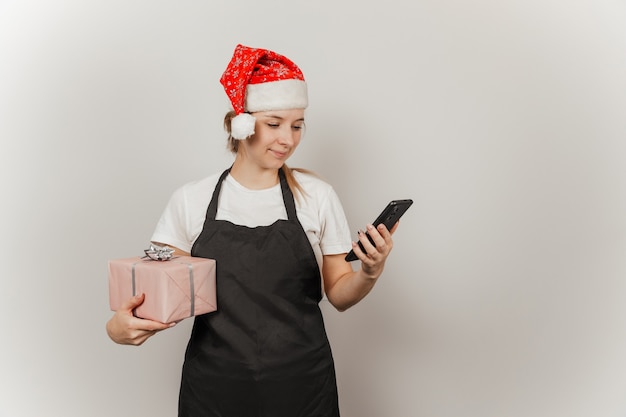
(319, 210)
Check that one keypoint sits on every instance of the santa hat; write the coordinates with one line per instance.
(261, 80)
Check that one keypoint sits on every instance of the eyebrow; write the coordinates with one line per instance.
(273, 116)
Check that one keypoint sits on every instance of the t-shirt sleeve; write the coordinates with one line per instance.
(335, 232)
(172, 228)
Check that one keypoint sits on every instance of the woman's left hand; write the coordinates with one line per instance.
(345, 287)
(374, 257)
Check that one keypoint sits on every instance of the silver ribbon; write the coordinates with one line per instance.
(159, 253)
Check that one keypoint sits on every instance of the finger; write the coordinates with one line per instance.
(138, 338)
(369, 249)
(140, 330)
(132, 303)
(135, 302)
(384, 232)
(139, 323)
(360, 254)
(380, 242)
(394, 227)
(356, 248)
(148, 325)
(386, 235)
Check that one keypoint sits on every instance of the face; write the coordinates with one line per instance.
(277, 135)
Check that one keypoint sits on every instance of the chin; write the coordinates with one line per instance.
(278, 163)
(274, 165)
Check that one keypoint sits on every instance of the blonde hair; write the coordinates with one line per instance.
(233, 146)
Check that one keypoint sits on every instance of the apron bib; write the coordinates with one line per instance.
(264, 352)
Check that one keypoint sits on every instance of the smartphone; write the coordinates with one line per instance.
(389, 216)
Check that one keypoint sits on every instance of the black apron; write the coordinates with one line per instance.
(264, 352)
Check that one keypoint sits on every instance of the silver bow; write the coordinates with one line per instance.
(159, 253)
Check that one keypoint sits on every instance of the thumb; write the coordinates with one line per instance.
(133, 302)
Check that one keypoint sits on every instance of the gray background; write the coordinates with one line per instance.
(503, 120)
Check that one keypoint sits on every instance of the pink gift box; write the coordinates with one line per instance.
(175, 289)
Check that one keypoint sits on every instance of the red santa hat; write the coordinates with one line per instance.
(261, 80)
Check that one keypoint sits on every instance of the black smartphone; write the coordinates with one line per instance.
(389, 216)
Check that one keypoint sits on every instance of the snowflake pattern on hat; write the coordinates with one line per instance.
(257, 80)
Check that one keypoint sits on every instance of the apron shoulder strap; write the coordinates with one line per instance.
(212, 210)
(290, 204)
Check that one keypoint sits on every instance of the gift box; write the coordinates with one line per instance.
(175, 289)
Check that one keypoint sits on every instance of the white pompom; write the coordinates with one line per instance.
(242, 126)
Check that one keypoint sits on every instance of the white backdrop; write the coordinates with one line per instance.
(504, 120)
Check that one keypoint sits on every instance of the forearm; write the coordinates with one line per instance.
(351, 288)
(345, 287)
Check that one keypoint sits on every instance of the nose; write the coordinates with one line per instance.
(286, 136)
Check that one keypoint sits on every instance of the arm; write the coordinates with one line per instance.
(125, 329)
(345, 287)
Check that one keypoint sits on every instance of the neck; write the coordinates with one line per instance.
(253, 177)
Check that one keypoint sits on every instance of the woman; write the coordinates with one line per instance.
(275, 233)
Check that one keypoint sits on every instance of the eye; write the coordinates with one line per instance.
(297, 127)
(273, 125)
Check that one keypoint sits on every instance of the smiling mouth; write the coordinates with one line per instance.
(279, 154)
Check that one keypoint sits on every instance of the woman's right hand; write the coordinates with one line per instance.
(126, 329)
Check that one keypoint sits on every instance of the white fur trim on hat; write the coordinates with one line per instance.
(242, 126)
(276, 95)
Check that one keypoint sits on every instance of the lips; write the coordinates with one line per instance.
(279, 154)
